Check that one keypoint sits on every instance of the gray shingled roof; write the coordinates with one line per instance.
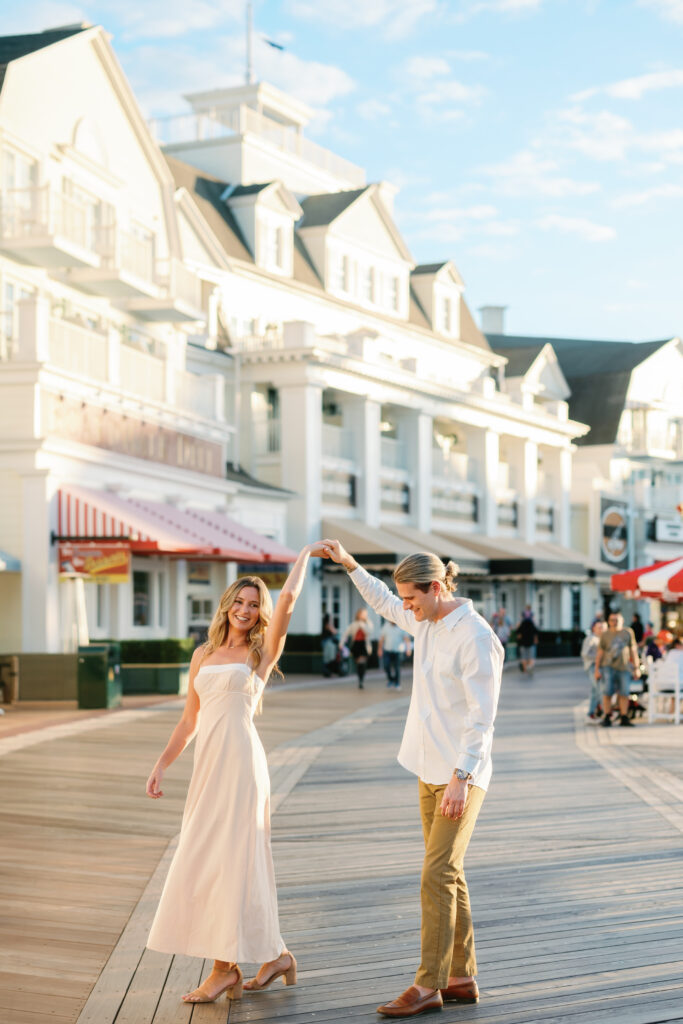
(248, 190)
(323, 209)
(429, 268)
(519, 358)
(598, 374)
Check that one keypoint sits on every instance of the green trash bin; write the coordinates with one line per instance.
(99, 676)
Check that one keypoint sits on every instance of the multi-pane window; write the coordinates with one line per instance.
(9, 317)
(369, 284)
(142, 598)
(342, 277)
(447, 315)
(274, 246)
(393, 292)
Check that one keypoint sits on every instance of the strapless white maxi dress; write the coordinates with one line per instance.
(219, 900)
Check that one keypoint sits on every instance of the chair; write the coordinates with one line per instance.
(665, 685)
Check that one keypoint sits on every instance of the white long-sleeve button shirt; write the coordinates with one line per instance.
(458, 665)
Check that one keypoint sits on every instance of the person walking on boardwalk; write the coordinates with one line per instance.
(458, 664)
(357, 636)
(219, 900)
(589, 652)
(617, 650)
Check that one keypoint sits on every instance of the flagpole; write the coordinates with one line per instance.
(250, 36)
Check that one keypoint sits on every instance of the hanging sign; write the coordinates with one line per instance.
(94, 562)
(614, 528)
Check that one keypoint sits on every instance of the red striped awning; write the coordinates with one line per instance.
(153, 526)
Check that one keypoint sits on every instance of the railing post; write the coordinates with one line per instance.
(114, 355)
(33, 335)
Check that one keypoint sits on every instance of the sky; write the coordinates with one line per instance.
(536, 143)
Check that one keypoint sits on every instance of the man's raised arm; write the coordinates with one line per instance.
(372, 590)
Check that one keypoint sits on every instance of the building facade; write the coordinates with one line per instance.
(365, 387)
(117, 413)
(627, 490)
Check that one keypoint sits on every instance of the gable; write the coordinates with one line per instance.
(659, 378)
(367, 226)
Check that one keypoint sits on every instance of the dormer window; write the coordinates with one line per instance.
(343, 275)
(274, 246)
(266, 215)
(393, 292)
(447, 314)
(369, 284)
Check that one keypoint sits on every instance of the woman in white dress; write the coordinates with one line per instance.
(219, 899)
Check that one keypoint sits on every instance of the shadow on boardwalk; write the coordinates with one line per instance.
(574, 872)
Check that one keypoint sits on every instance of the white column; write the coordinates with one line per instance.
(420, 462)
(114, 355)
(178, 617)
(370, 451)
(484, 445)
(529, 490)
(40, 627)
(562, 530)
(565, 606)
(230, 573)
(33, 341)
(301, 445)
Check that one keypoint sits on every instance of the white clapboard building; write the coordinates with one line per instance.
(117, 410)
(365, 388)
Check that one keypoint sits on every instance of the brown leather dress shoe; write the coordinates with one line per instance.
(410, 1003)
(465, 992)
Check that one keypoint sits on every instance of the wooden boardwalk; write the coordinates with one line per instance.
(575, 870)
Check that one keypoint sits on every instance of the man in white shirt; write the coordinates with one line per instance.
(458, 663)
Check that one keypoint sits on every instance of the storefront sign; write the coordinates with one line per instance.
(128, 435)
(669, 529)
(94, 562)
(199, 573)
(274, 575)
(614, 527)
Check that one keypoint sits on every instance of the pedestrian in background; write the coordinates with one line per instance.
(502, 625)
(527, 638)
(589, 652)
(330, 642)
(637, 628)
(392, 646)
(358, 636)
(617, 651)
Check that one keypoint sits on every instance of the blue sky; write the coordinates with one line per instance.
(537, 143)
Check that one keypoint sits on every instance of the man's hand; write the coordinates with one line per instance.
(454, 798)
(338, 554)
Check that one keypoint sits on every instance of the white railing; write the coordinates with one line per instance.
(125, 251)
(393, 454)
(219, 123)
(337, 442)
(78, 350)
(32, 212)
(143, 374)
(196, 393)
(267, 437)
(180, 282)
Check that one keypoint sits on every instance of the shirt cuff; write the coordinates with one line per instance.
(468, 763)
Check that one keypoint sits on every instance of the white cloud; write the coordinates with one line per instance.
(669, 191)
(579, 226)
(424, 68)
(155, 19)
(443, 100)
(501, 7)
(502, 228)
(39, 15)
(460, 213)
(635, 88)
(670, 9)
(602, 136)
(397, 18)
(372, 110)
(527, 173)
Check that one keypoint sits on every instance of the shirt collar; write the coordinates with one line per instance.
(453, 618)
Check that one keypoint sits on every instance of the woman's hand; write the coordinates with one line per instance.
(153, 788)
(337, 553)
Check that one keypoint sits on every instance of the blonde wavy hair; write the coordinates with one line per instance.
(220, 625)
(423, 568)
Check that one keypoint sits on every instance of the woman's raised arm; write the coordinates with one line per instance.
(274, 641)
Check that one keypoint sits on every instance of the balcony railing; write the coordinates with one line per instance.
(180, 282)
(224, 123)
(266, 437)
(143, 373)
(393, 454)
(78, 350)
(125, 251)
(40, 211)
(337, 442)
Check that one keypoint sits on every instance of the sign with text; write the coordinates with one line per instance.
(128, 435)
(94, 562)
(669, 529)
(614, 527)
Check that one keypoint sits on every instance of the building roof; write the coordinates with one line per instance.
(14, 47)
(238, 475)
(520, 358)
(429, 268)
(323, 209)
(598, 374)
(249, 190)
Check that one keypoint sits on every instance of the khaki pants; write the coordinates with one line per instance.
(447, 932)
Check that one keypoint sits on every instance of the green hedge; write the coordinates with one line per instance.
(170, 651)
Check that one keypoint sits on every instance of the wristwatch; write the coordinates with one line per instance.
(462, 775)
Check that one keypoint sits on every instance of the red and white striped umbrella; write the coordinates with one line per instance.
(663, 580)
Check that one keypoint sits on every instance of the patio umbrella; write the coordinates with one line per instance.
(663, 580)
